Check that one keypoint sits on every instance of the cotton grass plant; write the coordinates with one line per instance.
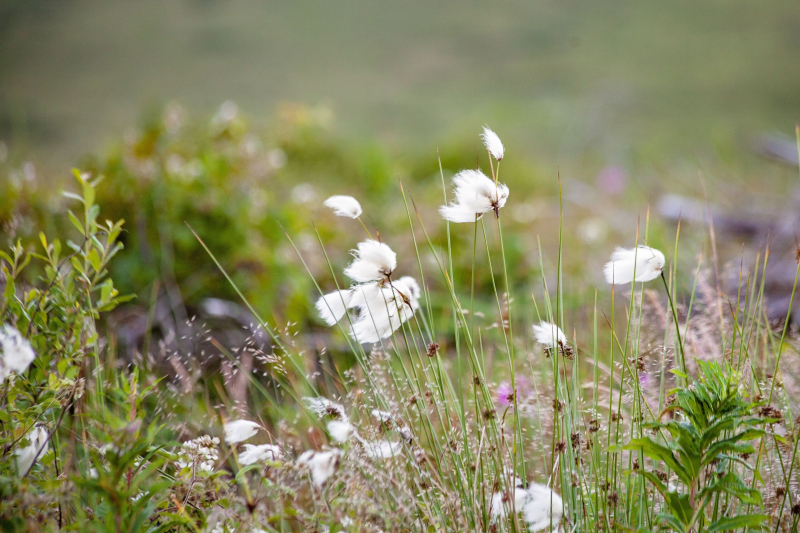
(656, 412)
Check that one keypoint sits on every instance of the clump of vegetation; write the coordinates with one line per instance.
(415, 411)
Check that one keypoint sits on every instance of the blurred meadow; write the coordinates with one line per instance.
(216, 129)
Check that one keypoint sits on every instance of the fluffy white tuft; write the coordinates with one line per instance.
(323, 406)
(17, 352)
(33, 451)
(240, 430)
(475, 195)
(333, 306)
(344, 206)
(382, 416)
(382, 449)
(412, 284)
(549, 335)
(322, 464)
(256, 453)
(638, 264)
(382, 309)
(540, 507)
(492, 143)
(340, 431)
(374, 261)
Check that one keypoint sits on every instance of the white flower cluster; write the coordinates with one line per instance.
(382, 304)
(17, 352)
(200, 453)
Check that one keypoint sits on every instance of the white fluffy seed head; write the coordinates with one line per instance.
(549, 335)
(540, 507)
(340, 430)
(17, 353)
(257, 453)
(240, 430)
(492, 143)
(475, 195)
(325, 407)
(334, 305)
(34, 451)
(344, 206)
(382, 310)
(322, 464)
(373, 261)
(382, 449)
(638, 264)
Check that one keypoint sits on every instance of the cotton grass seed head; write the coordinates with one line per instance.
(373, 261)
(492, 143)
(475, 195)
(36, 448)
(344, 206)
(17, 352)
(549, 335)
(321, 464)
(638, 264)
(258, 453)
(340, 431)
(382, 310)
(325, 407)
(240, 430)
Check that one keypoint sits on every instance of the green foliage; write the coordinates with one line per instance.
(712, 428)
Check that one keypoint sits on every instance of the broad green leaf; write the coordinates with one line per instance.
(738, 522)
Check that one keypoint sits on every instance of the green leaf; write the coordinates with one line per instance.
(738, 522)
(94, 260)
(75, 222)
(681, 507)
(661, 453)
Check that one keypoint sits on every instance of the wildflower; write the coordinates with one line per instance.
(638, 264)
(254, 453)
(374, 261)
(550, 336)
(323, 406)
(505, 394)
(340, 431)
(201, 452)
(382, 449)
(27, 455)
(492, 143)
(17, 352)
(240, 430)
(475, 195)
(322, 464)
(344, 206)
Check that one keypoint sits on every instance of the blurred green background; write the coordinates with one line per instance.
(631, 103)
(556, 77)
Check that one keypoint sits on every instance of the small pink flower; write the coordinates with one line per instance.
(505, 394)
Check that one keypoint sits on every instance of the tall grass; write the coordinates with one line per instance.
(671, 414)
